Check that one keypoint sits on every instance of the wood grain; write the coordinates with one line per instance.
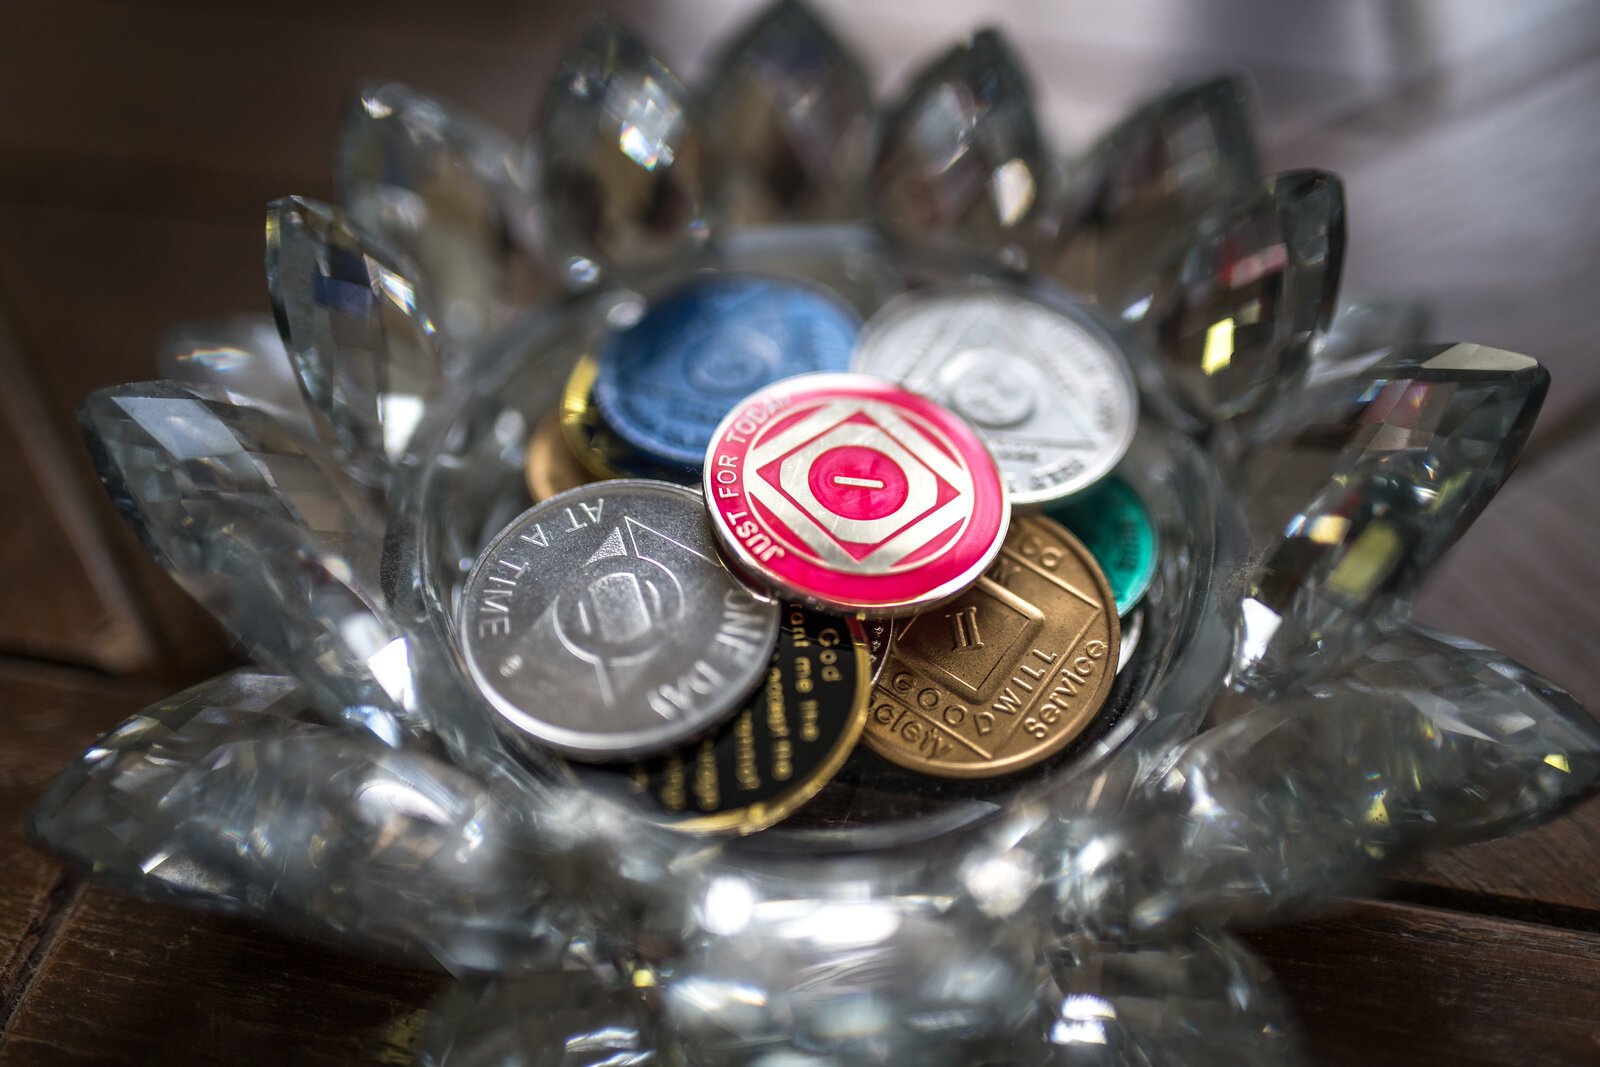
(1381, 984)
(66, 597)
(1526, 577)
(51, 715)
(133, 983)
(143, 267)
(1548, 874)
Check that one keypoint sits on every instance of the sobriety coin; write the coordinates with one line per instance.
(793, 735)
(551, 468)
(1048, 390)
(602, 624)
(853, 494)
(597, 447)
(1114, 525)
(1007, 674)
(666, 381)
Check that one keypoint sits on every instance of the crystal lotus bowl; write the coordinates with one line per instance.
(1279, 731)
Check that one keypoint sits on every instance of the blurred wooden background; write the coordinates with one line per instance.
(141, 139)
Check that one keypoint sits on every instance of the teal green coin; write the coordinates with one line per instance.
(1114, 525)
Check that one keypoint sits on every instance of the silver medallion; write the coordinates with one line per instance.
(1048, 390)
(602, 624)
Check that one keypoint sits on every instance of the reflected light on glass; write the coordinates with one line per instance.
(728, 905)
(385, 798)
(399, 291)
(1083, 1019)
(649, 125)
(219, 358)
(1247, 270)
(399, 413)
(932, 134)
(1260, 623)
(1012, 188)
(391, 666)
(843, 925)
(1375, 552)
(1219, 347)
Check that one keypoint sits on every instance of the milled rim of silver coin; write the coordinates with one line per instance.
(602, 623)
(1046, 387)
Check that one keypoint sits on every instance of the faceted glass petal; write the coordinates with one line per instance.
(108, 811)
(1134, 195)
(1362, 326)
(847, 981)
(1424, 741)
(451, 194)
(1232, 316)
(1202, 999)
(1357, 486)
(792, 112)
(961, 164)
(243, 355)
(1466, 406)
(360, 333)
(624, 167)
(263, 528)
(233, 790)
(561, 1018)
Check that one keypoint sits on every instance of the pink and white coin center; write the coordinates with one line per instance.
(854, 492)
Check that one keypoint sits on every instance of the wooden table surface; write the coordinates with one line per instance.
(141, 137)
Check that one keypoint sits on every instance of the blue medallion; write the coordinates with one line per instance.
(666, 382)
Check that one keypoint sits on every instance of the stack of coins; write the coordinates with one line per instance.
(771, 539)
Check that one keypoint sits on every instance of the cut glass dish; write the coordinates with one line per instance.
(1279, 731)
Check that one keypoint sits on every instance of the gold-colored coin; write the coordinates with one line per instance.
(794, 733)
(580, 421)
(551, 467)
(1008, 673)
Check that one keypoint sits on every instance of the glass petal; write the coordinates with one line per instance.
(961, 164)
(624, 166)
(1424, 741)
(237, 791)
(1232, 316)
(847, 981)
(1363, 325)
(1139, 189)
(360, 333)
(1201, 999)
(560, 1019)
(792, 112)
(243, 355)
(1355, 487)
(262, 527)
(105, 811)
(451, 194)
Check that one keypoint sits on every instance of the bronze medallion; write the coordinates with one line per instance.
(551, 466)
(1005, 675)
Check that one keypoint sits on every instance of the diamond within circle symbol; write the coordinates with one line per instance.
(854, 493)
(830, 505)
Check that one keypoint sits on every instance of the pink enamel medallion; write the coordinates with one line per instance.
(854, 494)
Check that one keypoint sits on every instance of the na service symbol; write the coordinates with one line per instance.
(855, 494)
